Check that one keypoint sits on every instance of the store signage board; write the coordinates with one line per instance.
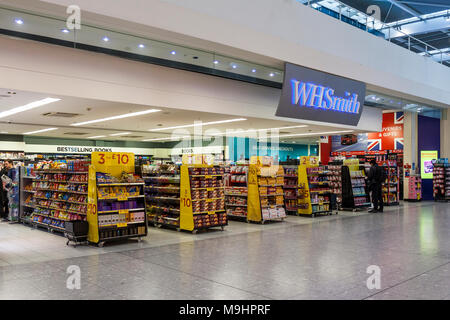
(426, 161)
(318, 96)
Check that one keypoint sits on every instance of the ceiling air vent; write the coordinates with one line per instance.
(76, 133)
(61, 114)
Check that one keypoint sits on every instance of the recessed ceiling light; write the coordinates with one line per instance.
(95, 137)
(18, 21)
(141, 45)
(3, 132)
(120, 134)
(28, 106)
(234, 66)
(126, 115)
(173, 52)
(202, 124)
(106, 39)
(271, 74)
(253, 70)
(168, 138)
(42, 130)
(266, 129)
(216, 61)
(65, 31)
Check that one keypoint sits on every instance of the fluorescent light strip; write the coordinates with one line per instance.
(127, 115)
(119, 134)
(28, 106)
(268, 129)
(42, 130)
(314, 133)
(169, 138)
(203, 124)
(95, 137)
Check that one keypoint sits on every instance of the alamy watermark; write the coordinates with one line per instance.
(73, 281)
(374, 280)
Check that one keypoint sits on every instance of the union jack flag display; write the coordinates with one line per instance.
(391, 138)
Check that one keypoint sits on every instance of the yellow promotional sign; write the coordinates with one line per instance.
(426, 161)
(113, 163)
(92, 207)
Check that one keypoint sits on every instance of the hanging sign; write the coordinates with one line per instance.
(313, 95)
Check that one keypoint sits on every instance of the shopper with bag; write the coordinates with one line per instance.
(376, 177)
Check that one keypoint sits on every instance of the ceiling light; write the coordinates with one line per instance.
(315, 133)
(202, 124)
(253, 70)
(65, 31)
(3, 132)
(169, 138)
(216, 61)
(173, 52)
(18, 21)
(106, 39)
(126, 115)
(234, 66)
(141, 46)
(267, 129)
(271, 74)
(28, 106)
(119, 134)
(95, 137)
(42, 130)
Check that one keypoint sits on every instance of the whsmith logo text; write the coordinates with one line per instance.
(311, 95)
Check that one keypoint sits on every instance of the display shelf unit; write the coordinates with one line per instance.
(202, 197)
(162, 189)
(265, 191)
(290, 189)
(391, 185)
(317, 198)
(56, 197)
(335, 177)
(441, 181)
(26, 193)
(412, 186)
(355, 193)
(236, 192)
(116, 210)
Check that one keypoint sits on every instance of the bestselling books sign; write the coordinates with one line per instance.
(314, 95)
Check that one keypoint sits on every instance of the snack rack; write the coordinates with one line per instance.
(441, 180)
(162, 191)
(236, 192)
(290, 189)
(355, 193)
(116, 210)
(265, 190)
(60, 193)
(315, 189)
(26, 193)
(335, 177)
(391, 192)
(202, 197)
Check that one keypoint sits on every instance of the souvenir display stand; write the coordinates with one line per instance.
(441, 180)
(116, 200)
(290, 189)
(412, 185)
(236, 192)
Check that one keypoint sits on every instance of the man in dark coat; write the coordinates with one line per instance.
(3, 194)
(375, 178)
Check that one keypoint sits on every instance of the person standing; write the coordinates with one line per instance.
(3, 194)
(375, 178)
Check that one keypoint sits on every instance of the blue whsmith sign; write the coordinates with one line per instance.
(313, 95)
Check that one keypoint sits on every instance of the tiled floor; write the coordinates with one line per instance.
(302, 258)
